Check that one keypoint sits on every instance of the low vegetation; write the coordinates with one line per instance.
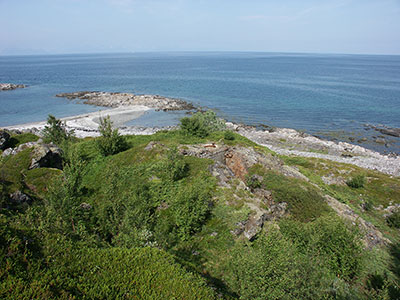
(133, 218)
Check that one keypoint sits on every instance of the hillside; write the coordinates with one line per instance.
(199, 212)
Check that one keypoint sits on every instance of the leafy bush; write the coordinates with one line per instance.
(201, 124)
(272, 268)
(229, 135)
(394, 219)
(55, 131)
(174, 166)
(110, 142)
(357, 181)
(115, 273)
(253, 182)
(190, 207)
(329, 241)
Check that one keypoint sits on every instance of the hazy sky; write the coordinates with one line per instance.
(81, 26)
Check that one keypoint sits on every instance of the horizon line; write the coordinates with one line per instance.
(196, 51)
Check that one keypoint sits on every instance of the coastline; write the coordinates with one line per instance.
(283, 141)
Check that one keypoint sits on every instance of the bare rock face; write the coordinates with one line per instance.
(46, 156)
(4, 137)
(10, 86)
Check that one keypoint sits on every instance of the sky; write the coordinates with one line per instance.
(102, 26)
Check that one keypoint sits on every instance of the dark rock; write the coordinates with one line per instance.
(18, 198)
(4, 138)
(46, 156)
(390, 131)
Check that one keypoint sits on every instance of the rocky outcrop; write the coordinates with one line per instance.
(239, 159)
(126, 99)
(13, 151)
(372, 236)
(10, 86)
(4, 137)
(46, 156)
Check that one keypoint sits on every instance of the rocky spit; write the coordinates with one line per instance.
(11, 86)
(107, 99)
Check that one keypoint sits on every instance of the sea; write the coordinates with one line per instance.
(334, 96)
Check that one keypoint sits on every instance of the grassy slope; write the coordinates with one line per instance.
(208, 251)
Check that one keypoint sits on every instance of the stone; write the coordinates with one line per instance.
(4, 138)
(13, 151)
(46, 156)
(18, 198)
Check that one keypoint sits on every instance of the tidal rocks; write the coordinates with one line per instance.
(4, 137)
(46, 156)
(126, 99)
(10, 86)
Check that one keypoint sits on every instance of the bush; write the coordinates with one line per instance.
(357, 181)
(394, 220)
(229, 135)
(329, 241)
(110, 142)
(55, 131)
(272, 268)
(253, 181)
(202, 124)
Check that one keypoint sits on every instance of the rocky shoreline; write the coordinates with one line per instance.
(287, 141)
(284, 141)
(114, 100)
(11, 86)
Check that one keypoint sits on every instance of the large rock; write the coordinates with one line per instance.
(10, 86)
(4, 137)
(46, 156)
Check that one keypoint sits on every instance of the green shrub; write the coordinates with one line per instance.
(253, 182)
(201, 124)
(110, 142)
(357, 181)
(55, 131)
(190, 207)
(394, 219)
(329, 241)
(229, 135)
(272, 268)
(115, 273)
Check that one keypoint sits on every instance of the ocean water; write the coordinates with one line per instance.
(327, 95)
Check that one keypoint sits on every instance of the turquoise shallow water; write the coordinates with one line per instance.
(321, 94)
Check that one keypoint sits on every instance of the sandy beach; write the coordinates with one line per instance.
(86, 125)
